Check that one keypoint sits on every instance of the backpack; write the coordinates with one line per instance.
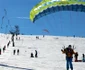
(69, 52)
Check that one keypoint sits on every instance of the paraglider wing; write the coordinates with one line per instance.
(45, 30)
(46, 7)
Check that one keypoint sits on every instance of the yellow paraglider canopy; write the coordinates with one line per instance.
(46, 7)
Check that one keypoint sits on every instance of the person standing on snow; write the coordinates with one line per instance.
(14, 51)
(83, 57)
(76, 57)
(0, 51)
(17, 51)
(69, 55)
(36, 53)
(32, 56)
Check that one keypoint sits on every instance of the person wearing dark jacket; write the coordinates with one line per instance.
(83, 57)
(32, 56)
(69, 55)
(36, 53)
(76, 57)
(0, 51)
(14, 51)
(17, 51)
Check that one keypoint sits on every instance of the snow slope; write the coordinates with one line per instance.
(49, 48)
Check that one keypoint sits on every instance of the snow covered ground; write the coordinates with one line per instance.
(49, 48)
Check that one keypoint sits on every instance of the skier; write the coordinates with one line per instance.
(69, 55)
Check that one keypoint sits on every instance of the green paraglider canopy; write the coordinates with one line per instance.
(46, 7)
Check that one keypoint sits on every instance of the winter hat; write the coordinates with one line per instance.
(69, 46)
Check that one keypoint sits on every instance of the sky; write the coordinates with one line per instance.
(62, 23)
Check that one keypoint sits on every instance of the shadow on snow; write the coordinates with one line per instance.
(15, 67)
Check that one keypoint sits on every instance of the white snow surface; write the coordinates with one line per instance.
(49, 48)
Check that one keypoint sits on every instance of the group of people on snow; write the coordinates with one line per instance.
(34, 55)
(4, 48)
(16, 51)
(69, 51)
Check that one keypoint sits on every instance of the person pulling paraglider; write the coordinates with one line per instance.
(69, 56)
